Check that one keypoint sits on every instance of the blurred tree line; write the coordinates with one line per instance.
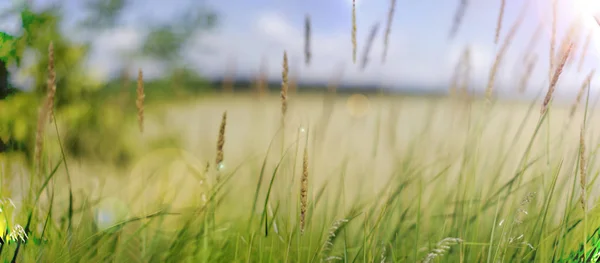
(82, 101)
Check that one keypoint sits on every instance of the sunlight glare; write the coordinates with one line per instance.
(589, 13)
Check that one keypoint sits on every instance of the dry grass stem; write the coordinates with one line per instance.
(572, 37)
(388, 29)
(527, 75)
(458, 75)
(139, 103)
(354, 31)
(51, 81)
(582, 167)
(370, 39)
(499, 22)
(466, 76)
(582, 90)
(553, 38)
(500, 55)
(46, 110)
(586, 46)
(529, 50)
(554, 80)
(307, 53)
(284, 87)
(304, 190)
(39, 134)
(458, 17)
(221, 142)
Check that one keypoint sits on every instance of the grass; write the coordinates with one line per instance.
(457, 185)
(307, 178)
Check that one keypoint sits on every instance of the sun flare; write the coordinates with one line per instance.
(589, 13)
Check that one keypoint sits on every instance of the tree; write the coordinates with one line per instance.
(11, 50)
(76, 88)
(164, 40)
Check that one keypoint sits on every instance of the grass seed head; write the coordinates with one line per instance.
(555, 76)
(499, 22)
(51, 81)
(500, 55)
(304, 190)
(284, 86)
(388, 29)
(221, 142)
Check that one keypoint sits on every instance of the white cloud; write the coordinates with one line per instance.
(272, 33)
(411, 61)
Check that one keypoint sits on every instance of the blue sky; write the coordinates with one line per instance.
(420, 52)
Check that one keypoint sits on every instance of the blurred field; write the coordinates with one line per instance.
(413, 170)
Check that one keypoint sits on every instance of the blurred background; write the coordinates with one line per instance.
(188, 48)
(210, 38)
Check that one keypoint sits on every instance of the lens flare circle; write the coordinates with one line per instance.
(357, 105)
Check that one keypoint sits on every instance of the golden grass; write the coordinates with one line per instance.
(45, 110)
(572, 37)
(51, 81)
(559, 69)
(221, 142)
(304, 190)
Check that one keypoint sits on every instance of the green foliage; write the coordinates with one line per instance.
(592, 253)
(18, 115)
(103, 13)
(11, 49)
